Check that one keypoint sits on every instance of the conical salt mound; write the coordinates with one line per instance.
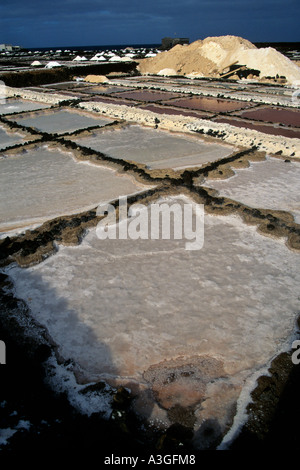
(209, 57)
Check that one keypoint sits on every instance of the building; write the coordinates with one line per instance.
(9, 48)
(168, 43)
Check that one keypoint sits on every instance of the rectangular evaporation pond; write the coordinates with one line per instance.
(66, 85)
(9, 138)
(106, 307)
(39, 184)
(282, 116)
(156, 108)
(155, 148)
(61, 121)
(261, 127)
(216, 105)
(271, 184)
(147, 95)
(110, 100)
(105, 90)
(16, 106)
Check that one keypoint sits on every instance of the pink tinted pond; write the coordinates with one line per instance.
(210, 104)
(287, 117)
(261, 127)
(147, 95)
(175, 111)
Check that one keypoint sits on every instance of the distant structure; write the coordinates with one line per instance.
(168, 43)
(2, 353)
(9, 48)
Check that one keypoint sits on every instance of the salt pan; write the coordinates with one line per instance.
(151, 313)
(155, 148)
(271, 184)
(42, 184)
(61, 121)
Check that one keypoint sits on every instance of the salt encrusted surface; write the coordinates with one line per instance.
(155, 148)
(17, 105)
(195, 327)
(278, 97)
(271, 184)
(8, 139)
(60, 121)
(226, 312)
(51, 98)
(44, 183)
(230, 134)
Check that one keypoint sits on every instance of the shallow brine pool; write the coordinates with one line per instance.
(39, 184)
(16, 106)
(191, 326)
(155, 148)
(9, 138)
(61, 121)
(271, 184)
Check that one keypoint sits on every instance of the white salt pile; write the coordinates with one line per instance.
(116, 58)
(211, 56)
(269, 61)
(78, 58)
(52, 64)
(36, 63)
(98, 57)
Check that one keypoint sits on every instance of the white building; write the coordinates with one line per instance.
(9, 47)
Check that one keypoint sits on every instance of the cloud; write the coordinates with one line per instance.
(72, 8)
(99, 21)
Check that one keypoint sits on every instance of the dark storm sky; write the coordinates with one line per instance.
(36, 23)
